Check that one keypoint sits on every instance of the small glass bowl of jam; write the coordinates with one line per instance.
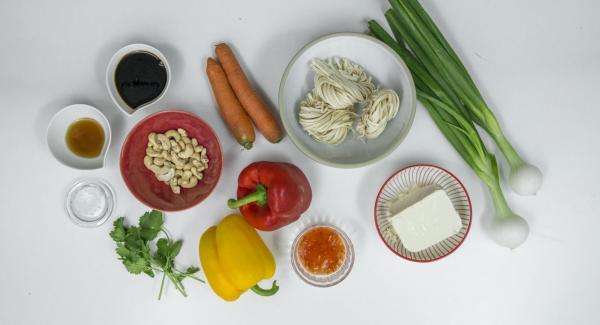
(322, 255)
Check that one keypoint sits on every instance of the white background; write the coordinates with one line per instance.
(537, 62)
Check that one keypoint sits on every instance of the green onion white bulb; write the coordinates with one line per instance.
(525, 179)
(510, 232)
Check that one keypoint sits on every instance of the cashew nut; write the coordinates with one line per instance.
(166, 176)
(179, 163)
(192, 182)
(150, 152)
(147, 161)
(182, 132)
(160, 170)
(164, 141)
(172, 134)
(176, 189)
(158, 161)
(153, 141)
(175, 146)
(189, 150)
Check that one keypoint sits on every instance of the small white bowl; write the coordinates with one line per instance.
(387, 69)
(112, 66)
(57, 129)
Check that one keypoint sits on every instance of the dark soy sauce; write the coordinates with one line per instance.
(140, 78)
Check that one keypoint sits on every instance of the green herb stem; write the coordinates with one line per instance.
(195, 278)
(162, 284)
(177, 284)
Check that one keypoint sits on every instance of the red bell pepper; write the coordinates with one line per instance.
(271, 194)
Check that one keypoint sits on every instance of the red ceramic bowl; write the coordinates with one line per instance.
(143, 184)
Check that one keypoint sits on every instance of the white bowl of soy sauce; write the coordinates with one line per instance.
(138, 75)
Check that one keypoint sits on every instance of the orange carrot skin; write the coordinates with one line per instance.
(231, 110)
(253, 104)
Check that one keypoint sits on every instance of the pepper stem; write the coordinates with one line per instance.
(259, 196)
(266, 292)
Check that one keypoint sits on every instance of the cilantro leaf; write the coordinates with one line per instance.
(180, 278)
(192, 270)
(152, 220)
(149, 272)
(175, 248)
(135, 266)
(148, 234)
(159, 259)
(122, 251)
(150, 224)
(118, 233)
(133, 240)
(162, 247)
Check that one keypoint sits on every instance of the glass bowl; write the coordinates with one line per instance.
(327, 280)
(89, 202)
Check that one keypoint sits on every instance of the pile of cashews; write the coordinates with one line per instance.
(175, 159)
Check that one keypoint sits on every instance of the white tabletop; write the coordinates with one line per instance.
(537, 62)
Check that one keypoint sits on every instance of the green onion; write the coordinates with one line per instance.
(446, 90)
(441, 73)
(506, 228)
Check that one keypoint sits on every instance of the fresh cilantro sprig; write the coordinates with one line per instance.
(135, 251)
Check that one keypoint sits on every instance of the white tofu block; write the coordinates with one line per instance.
(426, 222)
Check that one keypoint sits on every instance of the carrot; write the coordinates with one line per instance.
(231, 110)
(253, 104)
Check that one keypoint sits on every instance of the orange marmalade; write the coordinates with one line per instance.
(321, 250)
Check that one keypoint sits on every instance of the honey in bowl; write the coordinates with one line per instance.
(85, 138)
(321, 250)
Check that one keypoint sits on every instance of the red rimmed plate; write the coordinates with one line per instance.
(422, 175)
(143, 184)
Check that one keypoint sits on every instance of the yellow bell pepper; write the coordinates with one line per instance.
(235, 259)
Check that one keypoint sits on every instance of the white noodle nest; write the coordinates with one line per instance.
(381, 108)
(324, 123)
(327, 113)
(341, 83)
